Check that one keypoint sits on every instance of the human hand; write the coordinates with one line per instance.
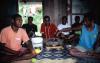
(34, 53)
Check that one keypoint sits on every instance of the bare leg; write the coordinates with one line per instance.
(76, 52)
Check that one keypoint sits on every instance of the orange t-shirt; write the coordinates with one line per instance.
(12, 39)
(49, 31)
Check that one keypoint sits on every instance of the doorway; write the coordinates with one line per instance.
(33, 9)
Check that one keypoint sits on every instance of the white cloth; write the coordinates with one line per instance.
(61, 26)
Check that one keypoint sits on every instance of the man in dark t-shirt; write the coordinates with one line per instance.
(30, 27)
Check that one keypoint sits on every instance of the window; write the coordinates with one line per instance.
(33, 9)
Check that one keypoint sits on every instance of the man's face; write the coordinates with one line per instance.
(77, 19)
(64, 21)
(46, 21)
(18, 22)
(88, 23)
(30, 20)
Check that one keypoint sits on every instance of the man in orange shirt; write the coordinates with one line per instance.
(13, 36)
(48, 29)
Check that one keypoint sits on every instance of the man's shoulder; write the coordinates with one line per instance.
(73, 25)
(43, 25)
(52, 24)
(59, 24)
(21, 29)
(35, 25)
(6, 28)
(25, 24)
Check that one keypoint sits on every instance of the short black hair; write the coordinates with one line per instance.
(30, 17)
(16, 16)
(46, 17)
(77, 17)
(64, 17)
(90, 16)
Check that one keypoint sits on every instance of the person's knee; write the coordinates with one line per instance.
(97, 50)
(71, 51)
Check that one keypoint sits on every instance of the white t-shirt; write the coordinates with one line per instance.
(61, 26)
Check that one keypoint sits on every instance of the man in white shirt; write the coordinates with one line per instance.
(64, 24)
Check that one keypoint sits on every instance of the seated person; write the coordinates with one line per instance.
(76, 24)
(64, 24)
(87, 38)
(30, 27)
(11, 38)
(76, 33)
(48, 29)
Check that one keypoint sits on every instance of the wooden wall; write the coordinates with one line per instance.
(55, 9)
(7, 8)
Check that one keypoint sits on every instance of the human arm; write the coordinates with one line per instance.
(24, 26)
(77, 27)
(42, 30)
(28, 44)
(36, 28)
(26, 41)
(43, 35)
(71, 28)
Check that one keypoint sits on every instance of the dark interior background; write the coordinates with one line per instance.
(7, 8)
(10, 7)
